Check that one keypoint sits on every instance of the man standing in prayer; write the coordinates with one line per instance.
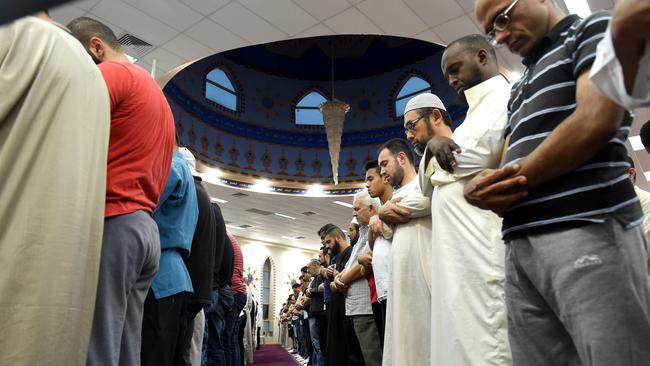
(200, 265)
(342, 345)
(164, 321)
(354, 277)
(316, 311)
(408, 315)
(576, 283)
(140, 150)
(231, 331)
(54, 132)
(467, 298)
(379, 257)
(213, 352)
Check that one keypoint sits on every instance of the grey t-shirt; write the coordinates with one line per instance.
(357, 299)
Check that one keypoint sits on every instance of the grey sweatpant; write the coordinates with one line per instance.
(579, 296)
(129, 262)
(368, 336)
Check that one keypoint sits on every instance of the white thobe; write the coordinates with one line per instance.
(408, 307)
(607, 76)
(468, 307)
(54, 130)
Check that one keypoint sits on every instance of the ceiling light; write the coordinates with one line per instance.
(131, 59)
(218, 200)
(580, 7)
(285, 216)
(636, 143)
(261, 186)
(234, 227)
(343, 204)
(315, 190)
(288, 237)
(647, 176)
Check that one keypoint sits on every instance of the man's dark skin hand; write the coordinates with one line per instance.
(496, 189)
(443, 149)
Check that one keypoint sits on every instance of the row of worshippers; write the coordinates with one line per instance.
(110, 246)
(519, 239)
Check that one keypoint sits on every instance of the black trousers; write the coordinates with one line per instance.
(379, 313)
(164, 326)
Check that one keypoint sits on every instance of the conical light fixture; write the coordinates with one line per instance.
(333, 112)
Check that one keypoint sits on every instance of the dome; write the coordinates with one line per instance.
(251, 112)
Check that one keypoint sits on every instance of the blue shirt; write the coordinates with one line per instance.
(176, 216)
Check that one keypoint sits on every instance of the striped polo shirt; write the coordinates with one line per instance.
(539, 102)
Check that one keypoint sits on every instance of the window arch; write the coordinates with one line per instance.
(412, 87)
(219, 89)
(306, 111)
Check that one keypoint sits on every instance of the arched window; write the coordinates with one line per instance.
(219, 89)
(412, 87)
(266, 297)
(307, 112)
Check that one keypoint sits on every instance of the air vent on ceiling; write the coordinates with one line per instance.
(300, 237)
(309, 213)
(240, 195)
(134, 46)
(245, 226)
(259, 212)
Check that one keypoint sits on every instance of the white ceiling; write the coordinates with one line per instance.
(186, 30)
(278, 229)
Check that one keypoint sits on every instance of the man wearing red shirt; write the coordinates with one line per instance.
(231, 332)
(139, 158)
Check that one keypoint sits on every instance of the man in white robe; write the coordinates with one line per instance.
(54, 130)
(469, 320)
(408, 313)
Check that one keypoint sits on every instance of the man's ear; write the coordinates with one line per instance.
(97, 47)
(482, 57)
(437, 117)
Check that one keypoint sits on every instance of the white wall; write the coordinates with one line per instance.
(286, 263)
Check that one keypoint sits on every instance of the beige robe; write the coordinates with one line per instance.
(408, 307)
(469, 320)
(54, 130)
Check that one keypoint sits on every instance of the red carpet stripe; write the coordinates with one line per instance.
(273, 355)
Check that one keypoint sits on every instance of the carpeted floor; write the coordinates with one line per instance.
(273, 355)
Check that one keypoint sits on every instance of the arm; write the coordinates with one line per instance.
(630, 28)
(416, 203)
(353, 274)
(578, 138)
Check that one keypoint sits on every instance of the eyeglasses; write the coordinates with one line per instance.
(410, 125)
(500, 23)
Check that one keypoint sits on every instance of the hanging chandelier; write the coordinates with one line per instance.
(333, 112)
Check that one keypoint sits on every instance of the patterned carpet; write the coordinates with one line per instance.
(273, 355)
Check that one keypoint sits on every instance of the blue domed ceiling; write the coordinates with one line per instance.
(260, 138)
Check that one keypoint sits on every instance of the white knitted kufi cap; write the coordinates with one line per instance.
(424, 100)
(189, 159)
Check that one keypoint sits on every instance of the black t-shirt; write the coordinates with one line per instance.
(200, 263)
(224, 258)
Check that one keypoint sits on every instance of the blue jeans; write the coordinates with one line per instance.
(231, 331)
(297, 334)
(317, 356)
(213, 352)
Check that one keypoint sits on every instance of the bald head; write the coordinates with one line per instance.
(528, 21)
(469, 61)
